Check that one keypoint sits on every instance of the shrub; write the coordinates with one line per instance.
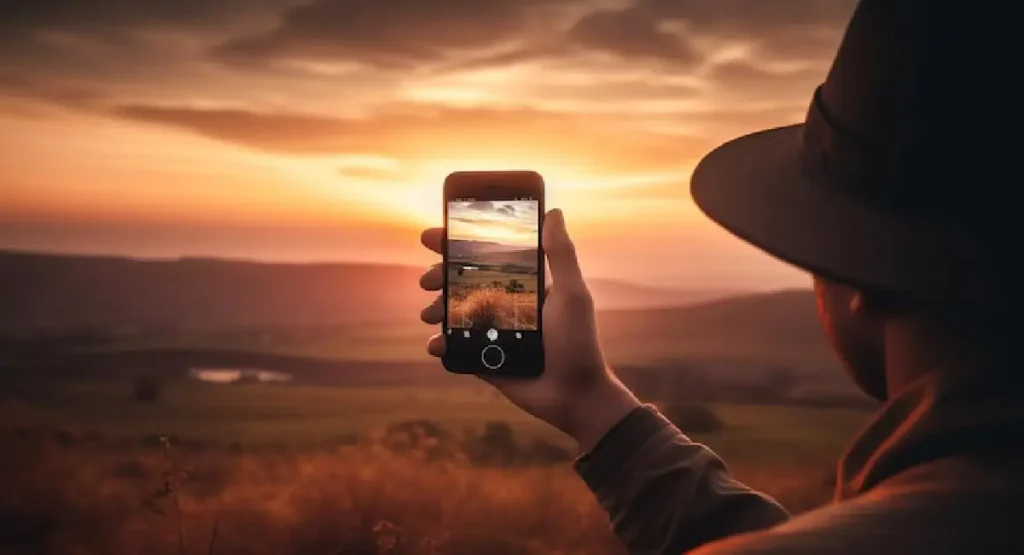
(496, 446)
(695, 419)
(423, 436)
(494, 308)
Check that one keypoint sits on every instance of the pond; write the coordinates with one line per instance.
(235, 375)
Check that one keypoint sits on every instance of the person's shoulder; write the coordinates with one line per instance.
(891, 521)
(829, 529)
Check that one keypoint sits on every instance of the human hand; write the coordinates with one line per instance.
(577, 393)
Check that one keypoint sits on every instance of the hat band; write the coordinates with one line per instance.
(851, 161)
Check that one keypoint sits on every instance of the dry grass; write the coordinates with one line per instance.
(75, 494)
(72, 500)
(489, 307)
(53, 500)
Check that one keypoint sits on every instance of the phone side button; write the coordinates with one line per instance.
(493, 357)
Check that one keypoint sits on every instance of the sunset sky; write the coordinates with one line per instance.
(323, 129)
(506, 222)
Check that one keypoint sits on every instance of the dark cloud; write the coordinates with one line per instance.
(506, 210)
(99, 46)
(150, 60)
(632, 33)
(25, 16)
(406, 32)
(790, 29)
(389, 33)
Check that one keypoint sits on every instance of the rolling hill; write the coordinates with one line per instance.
(361, 316)
(57, 291)
(467, 249)
(767, 328)
(493, 254)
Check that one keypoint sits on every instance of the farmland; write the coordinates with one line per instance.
(308, 417)
(370, 437)
(293, 469)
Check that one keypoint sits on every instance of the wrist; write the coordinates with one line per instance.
(598, 410)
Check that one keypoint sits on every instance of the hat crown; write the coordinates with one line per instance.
(900, 118)
(871, 87)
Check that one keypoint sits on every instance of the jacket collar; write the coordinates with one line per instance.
(936, 419)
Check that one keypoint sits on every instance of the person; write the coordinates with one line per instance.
(894, 194)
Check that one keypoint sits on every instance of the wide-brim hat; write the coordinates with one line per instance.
(872, 189)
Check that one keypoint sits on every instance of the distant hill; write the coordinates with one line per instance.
(43, 290)
(464, 248)
(361, 314)
(737, 340)
(766, 328)
(54, 290)
(493, 254)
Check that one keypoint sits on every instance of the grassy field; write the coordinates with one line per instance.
(394, 342)
(253, 414)
(486, 298)
(311, 494)
(486, 278)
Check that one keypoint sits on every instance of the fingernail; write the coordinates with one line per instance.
(557, 214)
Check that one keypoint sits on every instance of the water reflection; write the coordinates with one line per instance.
(239, 375)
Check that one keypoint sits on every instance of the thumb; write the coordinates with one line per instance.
(560, 252)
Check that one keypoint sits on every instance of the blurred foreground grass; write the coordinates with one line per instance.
(312, 416)
(70, 488)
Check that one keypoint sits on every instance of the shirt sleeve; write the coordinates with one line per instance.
(665, 494)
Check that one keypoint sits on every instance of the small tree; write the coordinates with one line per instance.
(515, 286)
(495, 446)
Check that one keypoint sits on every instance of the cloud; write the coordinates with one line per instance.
(369, 173)
(393, 33)
(94, 14)
(748, 81)
(632, 33)
(417, 132)
(668, 29)
(643, 87)
(506, 210)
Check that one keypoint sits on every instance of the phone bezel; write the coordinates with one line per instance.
(485, 185)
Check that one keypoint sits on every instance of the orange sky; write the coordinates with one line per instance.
(506, 222)
(323, 130)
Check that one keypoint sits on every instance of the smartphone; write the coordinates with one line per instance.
(494, 273)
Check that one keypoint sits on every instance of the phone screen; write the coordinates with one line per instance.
(494, 282)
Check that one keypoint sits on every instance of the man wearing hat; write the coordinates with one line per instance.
(892, 194)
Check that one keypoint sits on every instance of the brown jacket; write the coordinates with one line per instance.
(940, 469)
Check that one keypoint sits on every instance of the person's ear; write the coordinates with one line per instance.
(858, 303)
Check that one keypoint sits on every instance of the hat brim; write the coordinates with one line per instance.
(755, 187)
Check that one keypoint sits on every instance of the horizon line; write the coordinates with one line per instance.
(341, 262)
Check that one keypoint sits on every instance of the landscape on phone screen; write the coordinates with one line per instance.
(492, 268)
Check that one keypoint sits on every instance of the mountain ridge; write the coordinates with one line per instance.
(56, 290)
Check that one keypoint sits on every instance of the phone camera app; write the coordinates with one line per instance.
(493, 266)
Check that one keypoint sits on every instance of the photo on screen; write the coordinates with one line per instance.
(493, 276)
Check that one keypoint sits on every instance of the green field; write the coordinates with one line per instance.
(295, 415)
(487, 277)
(394, 342)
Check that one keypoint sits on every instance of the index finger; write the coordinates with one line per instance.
(432, 239)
